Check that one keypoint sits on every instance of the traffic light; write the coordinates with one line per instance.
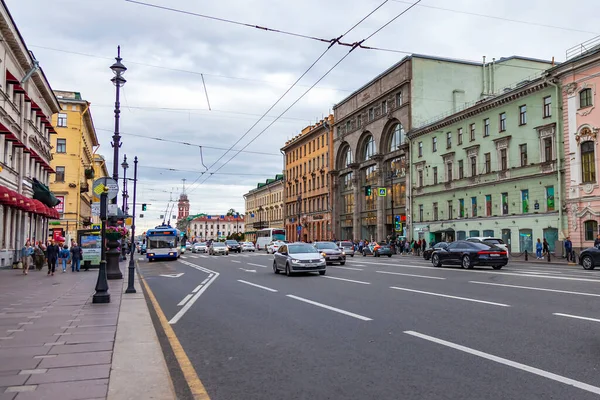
(144, 207)
(368, 190)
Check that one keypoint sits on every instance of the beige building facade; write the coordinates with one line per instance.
(264, 207)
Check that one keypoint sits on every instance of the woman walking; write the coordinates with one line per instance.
(26, 253)
(546, 247)
(538, 249)
(63, 257)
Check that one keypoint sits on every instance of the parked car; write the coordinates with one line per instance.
(273, 246)
(470, 254)
(218, 248)
(347, 247)
(377, 250)
(199, 247)
(233, 246)
(428, 252)
(489, 240)
(331, 252)
(298, 257)
(248, 246)
(143, 248)
(589, 258)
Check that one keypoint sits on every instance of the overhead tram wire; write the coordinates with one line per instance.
(288, 90)
(309, 89)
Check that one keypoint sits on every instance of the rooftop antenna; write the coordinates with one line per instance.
(183, 185)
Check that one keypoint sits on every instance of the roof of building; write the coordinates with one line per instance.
(324, 123)
(218, 218)
(65, 96)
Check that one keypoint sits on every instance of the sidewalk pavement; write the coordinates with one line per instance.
(56, 344)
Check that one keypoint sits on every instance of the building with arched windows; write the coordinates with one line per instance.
(579, 78)
(370, 180)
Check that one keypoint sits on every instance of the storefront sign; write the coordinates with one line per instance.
(91, 246)
(61, 206)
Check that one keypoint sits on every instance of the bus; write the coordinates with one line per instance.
(162, 242)
(266, 236)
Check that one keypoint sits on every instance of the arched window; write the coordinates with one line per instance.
(369, 149)
(348, 157)
(590, 229)
(397, 138)
(588, 162)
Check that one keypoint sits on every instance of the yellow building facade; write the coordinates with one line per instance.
(75, 164)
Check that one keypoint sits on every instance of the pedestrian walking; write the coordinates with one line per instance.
(569, 249)
(38, 256)
(52, 254)
(26, 256)
(406, 247)
(63, 257)
(597, 241)
(423, 245)
(538, 249)
(76, 255)
(546, 247)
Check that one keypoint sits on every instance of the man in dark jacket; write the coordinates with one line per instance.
(52, 253)
(76, 255)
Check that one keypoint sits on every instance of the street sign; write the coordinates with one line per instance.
(128, 221)
(382, 192)
(109, 183)
(96, 209)
(96, 227)
(299, 228)
(113, 210)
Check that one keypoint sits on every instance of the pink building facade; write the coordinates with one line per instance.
(579, 79)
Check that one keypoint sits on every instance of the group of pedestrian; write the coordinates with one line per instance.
(52, 253)
(541, 249)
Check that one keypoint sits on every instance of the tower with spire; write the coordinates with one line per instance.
(183, 205)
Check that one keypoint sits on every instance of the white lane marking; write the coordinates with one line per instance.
(211, 278)
(536, 288)
(451, 297)
(185, 299)
(504, 361)
(314, 303)
(536, 273)
(347, 280)
(257, 265)
(199, 286)
(248, 270)
(417, 276)
(236, 261)
(258, 286)
(576, 317)
(350, 268)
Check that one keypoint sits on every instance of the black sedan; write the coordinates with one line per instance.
(331, 252)
(233, 246)
(427, 253)
(470, 254)
(589, 258)
(377, 250)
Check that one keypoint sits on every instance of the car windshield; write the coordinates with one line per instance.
(493, 241)
(326, 245)
(346, 244)
(301, 249)
(231, 242)
(218, 244)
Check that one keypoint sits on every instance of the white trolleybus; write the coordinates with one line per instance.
(162, 243)
(266, 236)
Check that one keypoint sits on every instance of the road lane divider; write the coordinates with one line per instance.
(236, 261)
(212, 276)
(576, 317)
(325, 306)
(200, 286)
(185, 299)
(509, 363)
(416, 276)
(349, 268)
(536, 288)
(346, 280)
(451, 297)
(258, 286)
(257, 265)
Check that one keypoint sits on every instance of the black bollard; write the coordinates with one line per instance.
(526, 255)
(549, 258)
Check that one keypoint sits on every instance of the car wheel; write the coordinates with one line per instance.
(352, 255)
(435, 260)
(466, 262)
(587, 262)
(343, 263)
(321, 272)
(275, 267)
(389, 255)
(287, 270)
(497, 266)
(364, 254)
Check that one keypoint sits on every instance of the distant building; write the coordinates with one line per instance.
(307, 189)
(264, 207)
(183, 206)
(214, 227)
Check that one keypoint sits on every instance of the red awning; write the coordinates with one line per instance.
(4, 195)
(39, 207)
(10, 79)
(12, 198)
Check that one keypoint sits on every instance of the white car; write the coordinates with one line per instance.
(199, 248)
(491, 241)
(248, 246)
(218, 248)
(274, 246)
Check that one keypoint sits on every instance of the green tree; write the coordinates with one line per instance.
(231, 212)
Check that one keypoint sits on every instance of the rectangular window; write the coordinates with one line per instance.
(434, 144)
(461, 208)
(61, 121)
(488, 163)
(460, 136)
(384, 107)
(371, 114)
(461, 169)
(450, 210)
(547, 106)
(449, 172)
(525, 201)
(420, 178)
(504, 203)
(348, 126)
(522, 115)
(60, 174)
(585, 98)
(503, 160)
(359, 121)
(398, 99)
(548, 149)
(435, 211)
(473, 206)
(473, 166)
(472, 132)
(420, 212)
(61, 145)
(435, 175)
(502, 122)
(591, 230)
(420, 149)
(448, 140)
(550, 198)
(488, 205)
(486, 127)
(588, 162)
(523, 151)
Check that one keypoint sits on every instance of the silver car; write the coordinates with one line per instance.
(347, 247)
(218, 248)
(298, 257)
(199, 248)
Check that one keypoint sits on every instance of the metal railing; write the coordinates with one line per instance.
(582, 47)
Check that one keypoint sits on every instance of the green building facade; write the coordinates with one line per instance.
(491, 170)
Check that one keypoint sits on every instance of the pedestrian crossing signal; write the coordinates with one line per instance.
(144, 207)
(368, 191)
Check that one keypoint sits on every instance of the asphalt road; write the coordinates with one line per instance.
(387, 328)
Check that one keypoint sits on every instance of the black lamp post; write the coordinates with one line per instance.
(124, 208)
(131, 269)
(112, 256)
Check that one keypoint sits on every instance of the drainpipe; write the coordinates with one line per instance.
(482, 78)
(34, 68)
(559, 158)
(493, 70)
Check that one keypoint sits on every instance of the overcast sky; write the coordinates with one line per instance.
(246, 70)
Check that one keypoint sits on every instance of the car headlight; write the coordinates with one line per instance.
(343, 253)
(324, 255)
(295, 261)
(151, 254)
